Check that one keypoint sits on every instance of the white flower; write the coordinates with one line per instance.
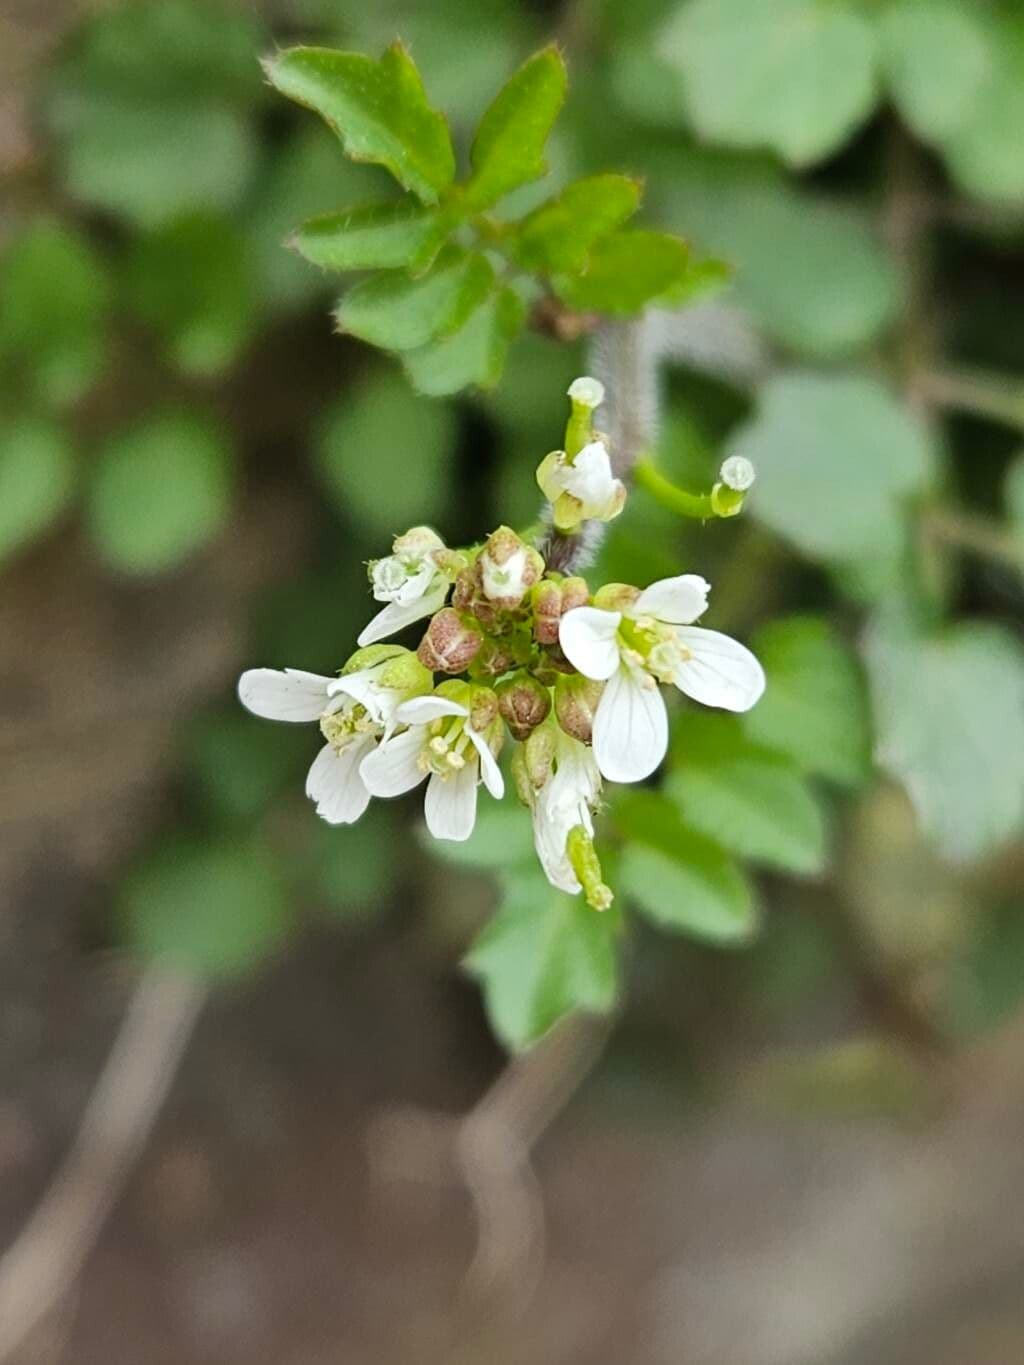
(584, 488)
(440, 743)
(565, 801)
(409, 581)
(653, 640)
(355, 712)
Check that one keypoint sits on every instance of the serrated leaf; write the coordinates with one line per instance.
(836, 458)
(213, 909)
(378, 109)
(557, 236)
(949, 716)
(543, 956)
(37, 476)
(508, 149)
(160, 491)
(385, 455)
(190, 281)
(814, 708)
(383, 235)
(475, 354)
(628, 270)
(938, 55)
(797, 76)
(748, 799)
(55, 295)
(679, 879)
(399, 312)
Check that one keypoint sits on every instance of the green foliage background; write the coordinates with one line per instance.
(860, 166)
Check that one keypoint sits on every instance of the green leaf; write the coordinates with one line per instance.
(836, 459)
(1013, 493)
(508, 149)
(241, 769)
(794, 75)
(679, 879)
(475, 354)
(949, 716)
(558, 235)
(813, 273)
(399, 313)
(151, 109)
(501, 841)
(747, 798)
(55, 295)
(213, 909)
(986, 984)
(350, 866)
(378, 109)
(160, 491)
(37, 476)
(190, 281)
(542, 956)
(383, 235)
(297, 176)
(628, 270)
(385, 455)
(985, 152)
(814, 709)
(938, 56)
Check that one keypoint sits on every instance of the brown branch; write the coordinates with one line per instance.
(39, 1268)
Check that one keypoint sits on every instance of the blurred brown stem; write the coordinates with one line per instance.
(42, 1264)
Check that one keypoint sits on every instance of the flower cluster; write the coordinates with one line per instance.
(572, 677)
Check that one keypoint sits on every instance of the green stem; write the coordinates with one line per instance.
(695, 505)
(998, 397)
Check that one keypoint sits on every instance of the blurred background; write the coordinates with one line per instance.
(803, 1149)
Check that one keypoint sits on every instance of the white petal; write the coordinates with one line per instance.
(290, 694)
(422, 710)
(392, 767)
(396, 615)
(722, 672)
(335, 785)
(362, 686)
(450, 804)
(630, 727)
(588, 639)
(490, 773)
(676, 600)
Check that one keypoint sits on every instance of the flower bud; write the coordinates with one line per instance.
(520, 776)
(450, 644)
(575, 593)
(371, 655)
(546, 600)
(508, 568)
(524, 703)
(417, 543)
(494, 659)
(576, 699)
(616, 596)
(405, 673)
(483, 708)
(538, 755)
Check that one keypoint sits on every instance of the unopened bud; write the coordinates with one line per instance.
(547, 611)
(520, 776)
(494, 659)
(575, 593)
(483, 708)
(450, 645)
(371, 655)
(616, 596)
(405, 673)
(539, 754)
(417, 542)
(450, 562)
(576, 701)
(508, 568)
(524, 703)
